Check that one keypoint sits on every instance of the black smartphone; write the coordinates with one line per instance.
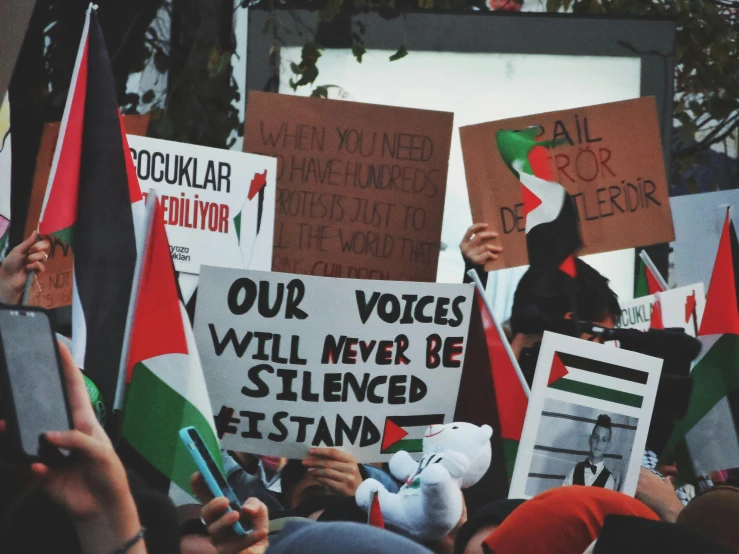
(32, 383)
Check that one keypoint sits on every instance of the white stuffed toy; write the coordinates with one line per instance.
(430, 503)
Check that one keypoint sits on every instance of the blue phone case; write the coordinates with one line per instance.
(210, 479)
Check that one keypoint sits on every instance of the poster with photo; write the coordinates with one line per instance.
(588, 417)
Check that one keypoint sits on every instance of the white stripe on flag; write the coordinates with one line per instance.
(79, 326)
(709, 449)
(605, 381)
(552, 196)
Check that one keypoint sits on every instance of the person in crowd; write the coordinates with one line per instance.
(659, 494)
(562, 520)
(93, 488)
(478, 249)
(714, 514)
(635, 535)
(482, 524)
(592, 472)
(28, 257)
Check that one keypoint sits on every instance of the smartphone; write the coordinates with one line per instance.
(213, 476)
(32, 383)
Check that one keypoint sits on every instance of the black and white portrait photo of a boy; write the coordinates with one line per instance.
(592, 472)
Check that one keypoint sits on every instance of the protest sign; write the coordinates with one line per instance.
(699, 220)
(681, 308)
(360, 187)
(589, 402)
(608, 157)
(292, 362)
(53, 288)
(218, 204)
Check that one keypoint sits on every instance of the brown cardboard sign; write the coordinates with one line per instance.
(608, 157)
(53, 288)
(360, 187)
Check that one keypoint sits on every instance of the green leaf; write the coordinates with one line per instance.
(329, 10)
(401, 53)
(311, 51)
(320, 92)
(358, 50)
(554, 5)
(296, 68)
(309, 75)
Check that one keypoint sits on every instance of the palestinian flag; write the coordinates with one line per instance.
(656, 321)
(706, 439)
(648, 281)
(91, 198)
(617, 384)
(374, 517)
(166, 388)
(552, 230)
(406, 432)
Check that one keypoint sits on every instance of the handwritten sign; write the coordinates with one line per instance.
(681, 308)
(360, 188)
(292, 362)
(53, 288)
(608, 157)
(218, 204)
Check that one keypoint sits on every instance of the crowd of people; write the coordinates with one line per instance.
(96, 504)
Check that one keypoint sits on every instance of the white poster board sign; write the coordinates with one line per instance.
(294, 361)
(699, 220)
(219, 205)
(589, 404)
(681, 308)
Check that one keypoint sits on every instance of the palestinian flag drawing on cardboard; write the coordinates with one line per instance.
(406, 432)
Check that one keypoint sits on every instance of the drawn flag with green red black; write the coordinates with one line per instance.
(707, 438)
(406, 432)
(166, 388)
(552, 229)
(93, 203)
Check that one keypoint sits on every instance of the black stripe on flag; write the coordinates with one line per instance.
(105, 244)
(604, 368)
(417, 421)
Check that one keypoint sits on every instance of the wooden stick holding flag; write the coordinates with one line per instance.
(654, 280)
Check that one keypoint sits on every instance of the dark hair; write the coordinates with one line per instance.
(290, 475)
(603, 421)
(595, 299)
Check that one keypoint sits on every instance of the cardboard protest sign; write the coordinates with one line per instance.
(589, 402)
(681, 308)
(53, 288)
(218, 204)
(360, 187)
(699, 220)
(608, 157)
(292, 362)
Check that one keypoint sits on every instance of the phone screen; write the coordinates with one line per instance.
(217, 475)
(34, 376)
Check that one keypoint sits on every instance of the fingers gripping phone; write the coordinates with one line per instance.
(214, 478)
(32, 383)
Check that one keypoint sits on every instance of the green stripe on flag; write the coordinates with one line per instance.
(510, 451)
(65, 235)
(641, 288)
(153, 416)
(594, 391)
(715, 376)
(409, 445)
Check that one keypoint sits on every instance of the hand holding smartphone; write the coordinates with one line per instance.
(32, 383)
(212, 475)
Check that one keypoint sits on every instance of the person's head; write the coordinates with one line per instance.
(594, 300)
(600, 439)
(299, 486)
(714, 514)
(480, 525)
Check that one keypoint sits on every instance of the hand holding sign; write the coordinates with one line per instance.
(335, 469)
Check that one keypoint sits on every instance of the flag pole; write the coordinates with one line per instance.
(472, 274)
(141, 248)
(653, 268)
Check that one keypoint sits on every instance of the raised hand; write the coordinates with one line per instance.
(29, 256)
(477, 247)
(334, 469)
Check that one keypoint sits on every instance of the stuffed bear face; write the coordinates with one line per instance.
(464, 438)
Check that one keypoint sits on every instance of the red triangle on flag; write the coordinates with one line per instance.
(558, 370)
(568, 267)
(690, 305)
(656, 322)
(392, 434)
(530, 200)
(375, 514)
(257, 183)
(721, 314)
